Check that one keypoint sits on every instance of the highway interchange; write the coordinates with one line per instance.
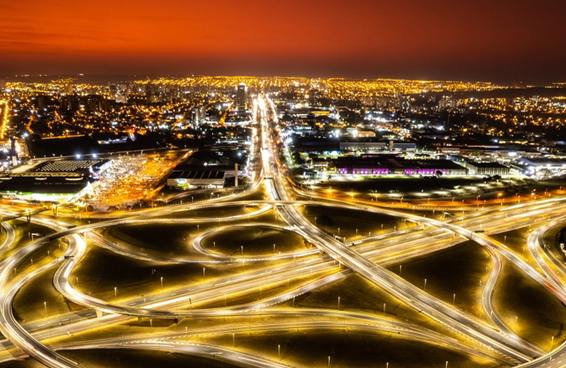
(331, 259)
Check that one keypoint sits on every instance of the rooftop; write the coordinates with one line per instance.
(197, 174)
(55, 185)
(67, 165)
(487, 164)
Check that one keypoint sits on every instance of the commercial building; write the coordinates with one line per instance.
(199, 176)
(374, 145)
(241, 97)
(193, 179)
(488, 168)
(402, 147)
(534, 166)
(53, 180)
(392, 165)
(362, 145)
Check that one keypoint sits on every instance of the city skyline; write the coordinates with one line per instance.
(506, 42)
(292, 184)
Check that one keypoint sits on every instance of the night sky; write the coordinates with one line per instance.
(498, 40)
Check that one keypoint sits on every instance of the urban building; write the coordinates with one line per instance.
(534, 166)
(373, 145)
(488, 168)
(362, 145)
(54, 180)
(393, 165)
(241, 97)
(186, 177)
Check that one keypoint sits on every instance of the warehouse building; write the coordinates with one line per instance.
(533, 166)
(53, 180)
(488, 168)
(196, 179)
(199, 176)
(393, 165)
(373, 145)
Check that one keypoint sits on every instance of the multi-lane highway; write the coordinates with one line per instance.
(319, 266)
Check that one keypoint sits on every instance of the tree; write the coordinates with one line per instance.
(297, 158)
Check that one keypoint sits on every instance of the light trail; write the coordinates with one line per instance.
(359, 261)
(395, 285)
(4, 115)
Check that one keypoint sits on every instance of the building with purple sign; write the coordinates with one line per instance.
(392, 165)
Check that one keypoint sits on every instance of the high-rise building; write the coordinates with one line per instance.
(122, 97)
(41, 102)
(113, 91)
(241, 97)
(148, 93)
(13, 152)
(198, 115)
(2, 85)
(94, 103)
(405, 102)
(72, 102)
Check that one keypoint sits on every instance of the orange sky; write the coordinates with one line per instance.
(481, 39)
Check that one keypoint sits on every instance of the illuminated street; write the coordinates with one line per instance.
(293, 184)
(282, 278)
